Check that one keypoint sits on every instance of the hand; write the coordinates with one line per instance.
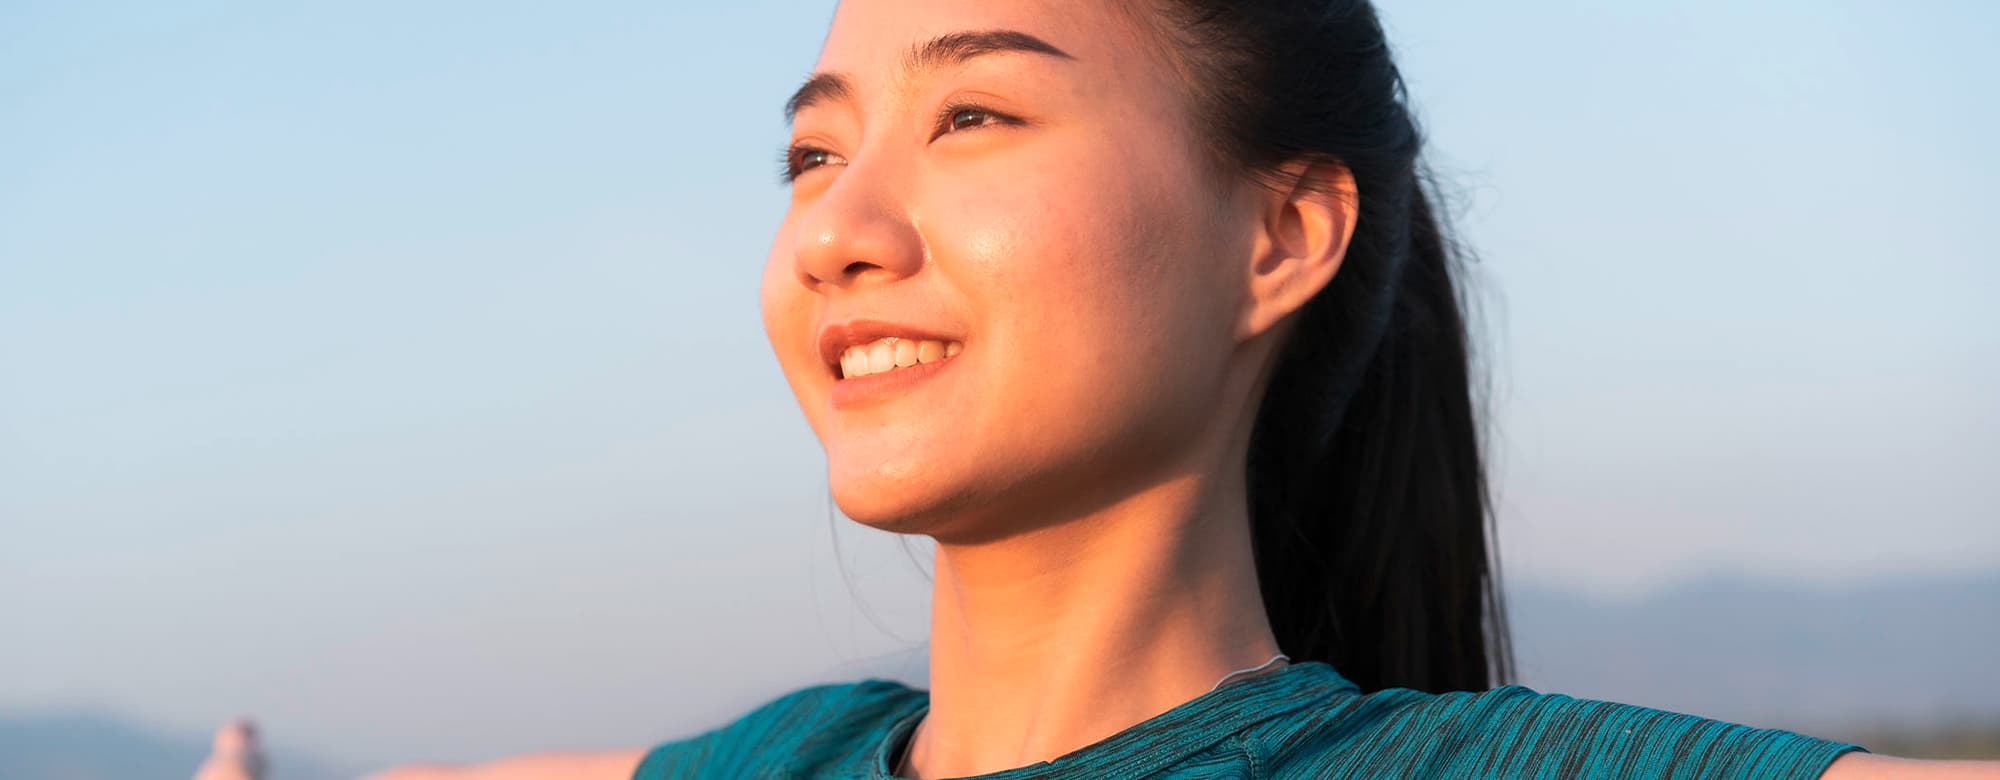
(236, 754)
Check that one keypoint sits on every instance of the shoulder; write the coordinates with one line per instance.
(816, 726)
(1513, 731)
(848, 704)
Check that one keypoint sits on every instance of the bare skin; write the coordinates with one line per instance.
(239, 756)
(1863, 766)
(1044, 204)
(1085, 491)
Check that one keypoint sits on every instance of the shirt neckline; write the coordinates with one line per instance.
(1140, 749)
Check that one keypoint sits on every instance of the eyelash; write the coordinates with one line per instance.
(791, 163)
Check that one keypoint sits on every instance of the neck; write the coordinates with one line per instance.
(1048, 641)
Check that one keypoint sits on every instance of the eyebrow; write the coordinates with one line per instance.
(950, 49)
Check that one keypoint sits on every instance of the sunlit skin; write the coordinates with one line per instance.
(1080, 462)
(1118, 297)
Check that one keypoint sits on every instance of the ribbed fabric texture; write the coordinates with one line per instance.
(1304, 721)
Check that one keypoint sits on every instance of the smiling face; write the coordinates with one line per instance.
(1014, 194)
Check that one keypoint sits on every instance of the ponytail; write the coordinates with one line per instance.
(1369, 514)
(1369, 511)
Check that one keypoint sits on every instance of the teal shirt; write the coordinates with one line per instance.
(1303, 721)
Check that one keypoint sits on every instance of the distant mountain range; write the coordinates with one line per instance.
(1903, 655)
(1837, 662)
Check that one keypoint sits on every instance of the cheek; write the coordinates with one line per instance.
(1102, 296)
(1066, 239)
(777, 294)
(789, 312)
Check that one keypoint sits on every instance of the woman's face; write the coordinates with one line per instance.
(1012, 195)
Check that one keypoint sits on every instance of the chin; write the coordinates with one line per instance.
(899, 501)
(882, 502)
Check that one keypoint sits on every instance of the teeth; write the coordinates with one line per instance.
(891, 353)
(881, 357)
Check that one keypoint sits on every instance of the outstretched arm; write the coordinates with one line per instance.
(1863, 766)
(604, 765)
(238, 756)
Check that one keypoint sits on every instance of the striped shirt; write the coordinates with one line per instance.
(1303, 721)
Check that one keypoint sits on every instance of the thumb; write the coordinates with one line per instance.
(236, 754)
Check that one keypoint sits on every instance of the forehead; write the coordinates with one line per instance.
(871, 40)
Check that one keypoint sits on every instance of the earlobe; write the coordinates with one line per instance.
(1304, 235)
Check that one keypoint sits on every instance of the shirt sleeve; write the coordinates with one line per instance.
(1513, 731)
(799, 733)
(724, 751)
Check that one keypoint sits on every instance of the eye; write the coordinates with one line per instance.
(957, 117)
(967, 117)
(798, 158)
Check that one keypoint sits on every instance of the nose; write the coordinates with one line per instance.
(859, 228)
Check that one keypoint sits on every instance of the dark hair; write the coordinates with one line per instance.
(1369, 509)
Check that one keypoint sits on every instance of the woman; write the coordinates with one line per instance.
(1140, 310)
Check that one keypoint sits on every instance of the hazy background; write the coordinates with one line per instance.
(393, 371)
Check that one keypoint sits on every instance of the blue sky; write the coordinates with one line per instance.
(379, 368)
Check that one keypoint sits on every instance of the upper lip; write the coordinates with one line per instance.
(836, 337)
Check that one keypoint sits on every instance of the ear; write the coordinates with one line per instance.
(1302, 237)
